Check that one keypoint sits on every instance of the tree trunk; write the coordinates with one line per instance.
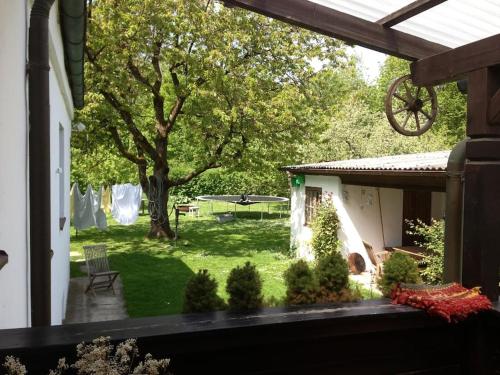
(158, 199)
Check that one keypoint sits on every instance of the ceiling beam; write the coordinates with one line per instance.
(353, 30)
(408, 11)
(456, 63)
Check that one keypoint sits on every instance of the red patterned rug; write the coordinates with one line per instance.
(451, 302)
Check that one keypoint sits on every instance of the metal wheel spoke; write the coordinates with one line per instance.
(417, 120)
(400, 110)
(406, 120)
(425, 114)
(400, 97)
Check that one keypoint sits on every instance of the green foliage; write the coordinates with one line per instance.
(200, 294)
(432, 239)
(179, 87)
(324, 227)
(332, 272)
(223, 181)
(244, 286)
(399, 268)
(301, 285)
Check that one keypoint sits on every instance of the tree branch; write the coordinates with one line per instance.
(129, 122)
(123, 150)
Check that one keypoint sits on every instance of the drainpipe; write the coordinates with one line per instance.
(454, 215)
(39, 161)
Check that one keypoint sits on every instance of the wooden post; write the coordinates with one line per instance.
(481, 226)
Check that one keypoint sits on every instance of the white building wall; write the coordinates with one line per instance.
(370, 214)
(14, 277)
(61, 114)
(391, 201)
(14, 178)
(301, 235)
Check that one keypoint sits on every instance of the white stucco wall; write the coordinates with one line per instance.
(348, 234)
(14, 179)
(61, 114)
(14, 283)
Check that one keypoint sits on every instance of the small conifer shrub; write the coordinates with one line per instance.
(301, 285)
(244, 286)
(200, 294)
(332, 272)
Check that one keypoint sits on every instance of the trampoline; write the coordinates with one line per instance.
(243, 200)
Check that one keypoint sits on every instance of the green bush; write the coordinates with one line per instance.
(399, 268)
(200, 294)
(332, 272)
(301, 285)
(432, 239)
(324, 227)
(244, 287)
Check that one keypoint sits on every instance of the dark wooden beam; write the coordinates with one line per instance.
(481, 258)
(454, 64)
(408, 11)
(353, 30)
(494, 109)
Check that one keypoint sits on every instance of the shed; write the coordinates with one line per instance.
(374, 199)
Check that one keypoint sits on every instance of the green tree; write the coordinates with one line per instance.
(183, 86)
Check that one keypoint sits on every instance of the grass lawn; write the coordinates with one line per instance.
(154, 272)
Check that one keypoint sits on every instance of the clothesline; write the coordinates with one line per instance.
(89, 209)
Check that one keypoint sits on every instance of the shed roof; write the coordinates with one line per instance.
(428, 161)
(425, 171)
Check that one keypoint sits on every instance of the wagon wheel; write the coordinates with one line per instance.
(411, 110)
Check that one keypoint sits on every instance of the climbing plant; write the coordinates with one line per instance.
(325, 226)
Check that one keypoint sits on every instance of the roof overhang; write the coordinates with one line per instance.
(409, 180)
(343, 26)
(73, 27)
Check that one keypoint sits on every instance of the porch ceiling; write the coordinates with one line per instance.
(405, 28)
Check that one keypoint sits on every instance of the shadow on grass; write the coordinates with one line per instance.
(153, 282)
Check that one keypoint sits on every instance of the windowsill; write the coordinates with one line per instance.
(62, 222)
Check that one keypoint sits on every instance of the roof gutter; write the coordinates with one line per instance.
(73, 27)
(39, 162)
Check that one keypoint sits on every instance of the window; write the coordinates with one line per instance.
(313, 198)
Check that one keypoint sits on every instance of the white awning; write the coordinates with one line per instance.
(452, 23)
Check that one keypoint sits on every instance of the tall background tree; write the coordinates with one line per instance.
(179, 87)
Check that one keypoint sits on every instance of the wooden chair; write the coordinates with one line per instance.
(377, 258)
(100, 276)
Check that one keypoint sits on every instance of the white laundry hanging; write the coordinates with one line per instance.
(126, 202)
(87, 210)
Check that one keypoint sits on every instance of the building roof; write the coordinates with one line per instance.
(451, 23)
(429, 161)
(412, 171)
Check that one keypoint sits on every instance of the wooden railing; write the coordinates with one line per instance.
(372, 337)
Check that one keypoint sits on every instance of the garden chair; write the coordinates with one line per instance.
(377, 258)
(100, 276)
